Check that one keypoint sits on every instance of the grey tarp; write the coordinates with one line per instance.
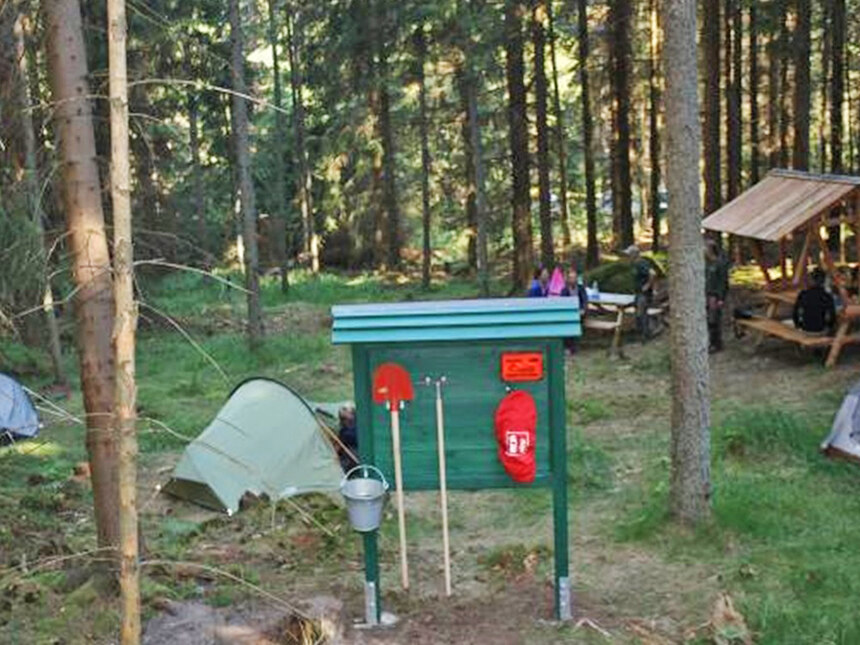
(18, 417)
(844, 438)
(264, 440)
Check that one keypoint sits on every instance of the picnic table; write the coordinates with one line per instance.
(613, 307)
(772, 325)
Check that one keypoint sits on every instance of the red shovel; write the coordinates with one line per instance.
(393, 386)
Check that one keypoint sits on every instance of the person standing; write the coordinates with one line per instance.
(643, 289)
(716, 290)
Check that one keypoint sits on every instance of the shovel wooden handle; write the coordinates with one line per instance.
(443, 486)
(398, 481)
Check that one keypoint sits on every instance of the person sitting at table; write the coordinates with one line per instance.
(841, 289)
(540, 284)
(854, 282)
(815, 309)
(572, 287)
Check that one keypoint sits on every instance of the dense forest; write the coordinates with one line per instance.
(465, 135)
(261, 143)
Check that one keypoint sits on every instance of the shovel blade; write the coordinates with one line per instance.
(392, 384)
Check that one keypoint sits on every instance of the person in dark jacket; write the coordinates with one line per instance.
(815, 309)
(540, 284)
(644, 278)
(716, 290)
(348, 435)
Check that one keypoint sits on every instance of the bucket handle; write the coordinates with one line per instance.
(365, 468)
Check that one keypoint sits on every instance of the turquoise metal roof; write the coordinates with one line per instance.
(448, 320)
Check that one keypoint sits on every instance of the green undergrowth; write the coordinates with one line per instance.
(188, 293)
(783, 534)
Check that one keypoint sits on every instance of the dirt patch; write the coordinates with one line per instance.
(318, 620)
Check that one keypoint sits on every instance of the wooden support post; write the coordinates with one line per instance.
(615, 347)
(838, 341)
(857, 226)
(824, 248)
(842, 232)
(758, 252)
(783, 263)
(800, 265)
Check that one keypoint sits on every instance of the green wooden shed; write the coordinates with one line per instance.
(470, 343)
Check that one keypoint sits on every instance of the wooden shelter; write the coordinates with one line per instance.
(787, 205)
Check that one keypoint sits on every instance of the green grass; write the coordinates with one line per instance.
(784, 527)
(782, 539)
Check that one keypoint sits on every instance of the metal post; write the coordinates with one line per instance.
(558, 459)
(364, 413)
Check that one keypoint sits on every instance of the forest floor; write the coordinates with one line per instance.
(782, 542)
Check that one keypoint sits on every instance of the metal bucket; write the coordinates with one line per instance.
(365, 497)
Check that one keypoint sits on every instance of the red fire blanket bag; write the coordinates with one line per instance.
(516, 423)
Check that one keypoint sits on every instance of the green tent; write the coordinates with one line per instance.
(265, 440)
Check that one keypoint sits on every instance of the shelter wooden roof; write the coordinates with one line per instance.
(780, 203)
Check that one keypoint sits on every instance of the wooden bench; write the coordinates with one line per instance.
(616, 326)
(773, 327)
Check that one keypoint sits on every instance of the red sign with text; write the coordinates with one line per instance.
(519, 367)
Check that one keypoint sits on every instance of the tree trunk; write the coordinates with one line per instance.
(146, 198)
(834, 233)
(91, 267)
(389, 166)
(547, 250)
(478, 174)
(592, 249)
(837, 84)
(559, 134)
(785, 45)
(825, 84)
(464, 77)
(278, 229)
(755, 150)
(125, 323)
(421, 47)
(246, 182)
(690, 458)
(773, 101)
(31, 168)
(733, 21)
(849, 112)
(197, 179)
(468, 83)
(802, 52)
(519, 143)
(377, 225)
(311, 238)
(620, 16)
(711, 45)
(654, 122)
